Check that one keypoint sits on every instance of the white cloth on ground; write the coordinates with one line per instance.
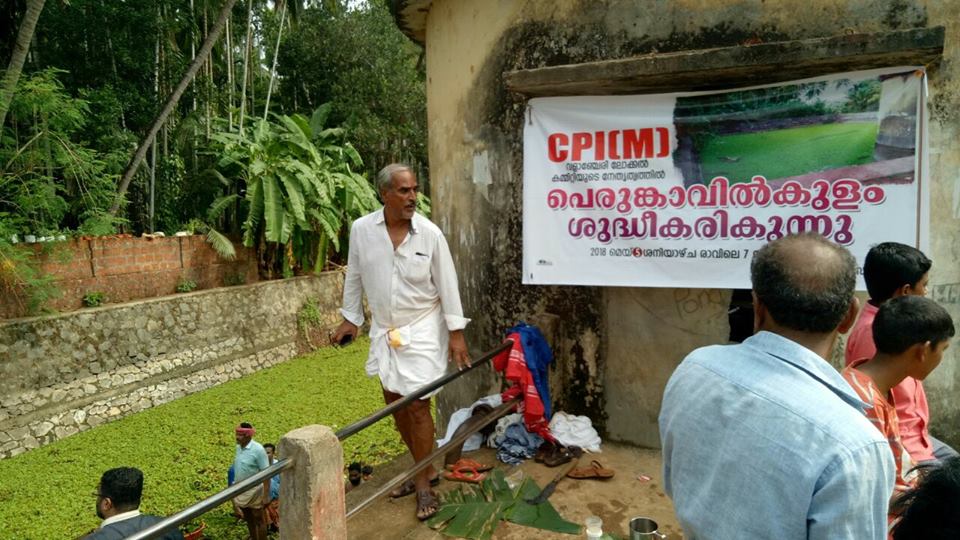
(475, 441)
(572, 430)
(412, 289)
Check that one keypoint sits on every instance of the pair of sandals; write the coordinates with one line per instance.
(554, 455)
(464, 470)
(467, 470)
(427, 502)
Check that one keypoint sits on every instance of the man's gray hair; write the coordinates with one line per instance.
(385, 176)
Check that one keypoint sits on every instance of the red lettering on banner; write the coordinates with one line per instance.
(664, 142)
(581, 141)
(640, 143)
(613, 144)
(845, 195)
(554, 150)
(637, 143)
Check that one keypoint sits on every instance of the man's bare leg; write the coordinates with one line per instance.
(255, 523)
(416, 428)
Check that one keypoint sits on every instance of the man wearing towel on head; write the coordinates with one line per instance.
(400, 259)
(249, 459)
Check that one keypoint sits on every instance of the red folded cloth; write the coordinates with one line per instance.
(514, 367)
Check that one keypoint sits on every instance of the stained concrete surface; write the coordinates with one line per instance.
(616, 500)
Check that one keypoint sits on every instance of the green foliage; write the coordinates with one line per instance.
(358, 61)
(186, 446)
(185, 285)
(309, 315)
(20, 275)
(233, 279)
(99, 71)
(309, 319)
(424, 205)
(301, 188)
(475, 511)
(863, 96)
(94, 298)
(50, 179)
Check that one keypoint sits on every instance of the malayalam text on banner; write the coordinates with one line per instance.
(679, 190)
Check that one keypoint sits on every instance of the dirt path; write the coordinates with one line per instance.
(615, 500)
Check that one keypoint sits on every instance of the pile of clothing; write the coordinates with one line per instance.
(533, 432)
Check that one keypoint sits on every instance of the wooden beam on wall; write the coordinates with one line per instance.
(725, 67)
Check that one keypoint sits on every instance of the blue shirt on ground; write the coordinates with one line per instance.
(249, 461)
(766, 440)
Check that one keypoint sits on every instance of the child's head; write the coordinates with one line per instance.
(929, 511)
(892, 269)
(916, 326)
(353, 473)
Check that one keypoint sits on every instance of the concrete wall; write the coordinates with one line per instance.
(618, 346)
(63, 374)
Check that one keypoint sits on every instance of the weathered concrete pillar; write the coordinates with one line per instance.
(311, 492)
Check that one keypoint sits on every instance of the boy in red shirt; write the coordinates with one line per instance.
(892, 270)
(911, 333)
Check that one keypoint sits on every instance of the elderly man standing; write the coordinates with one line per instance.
(765, 439)
(249, 459)
(401, 261)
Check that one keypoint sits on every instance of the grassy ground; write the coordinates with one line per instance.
(788, 152)
(185, 447)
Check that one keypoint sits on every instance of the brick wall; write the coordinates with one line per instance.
(126, 268)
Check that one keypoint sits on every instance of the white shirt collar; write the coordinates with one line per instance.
(120, 517)
(382, 218)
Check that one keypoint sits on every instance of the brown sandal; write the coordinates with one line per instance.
(427, 504)
(561, 455)
(595, 470)
(409, 487)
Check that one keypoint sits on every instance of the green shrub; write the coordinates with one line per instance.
(94, 298)
(186, 285)
(234, 278)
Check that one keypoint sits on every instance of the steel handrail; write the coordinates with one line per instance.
(477, 423)
(353, 428)
(211, 502)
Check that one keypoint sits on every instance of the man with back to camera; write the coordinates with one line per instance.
(892, 270)
(764, 439)
(118, 505)
(401, 261)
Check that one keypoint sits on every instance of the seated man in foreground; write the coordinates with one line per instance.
(118, 504)
(765, 439)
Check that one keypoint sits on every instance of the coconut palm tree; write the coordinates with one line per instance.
(24, 37)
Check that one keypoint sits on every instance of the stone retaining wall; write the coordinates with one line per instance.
(63, 374)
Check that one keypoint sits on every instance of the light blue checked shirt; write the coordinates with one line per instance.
(765, 440)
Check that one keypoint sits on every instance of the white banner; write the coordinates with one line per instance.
(678, 190)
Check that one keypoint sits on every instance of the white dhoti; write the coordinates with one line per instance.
(407, 358)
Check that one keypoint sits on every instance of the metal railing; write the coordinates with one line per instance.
(211, 502)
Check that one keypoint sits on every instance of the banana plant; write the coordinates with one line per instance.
(301, 188)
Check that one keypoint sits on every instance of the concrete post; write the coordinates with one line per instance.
(311, 492)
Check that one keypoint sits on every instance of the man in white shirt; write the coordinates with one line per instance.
(401, 261)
